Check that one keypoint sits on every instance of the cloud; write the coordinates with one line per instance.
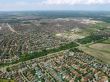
(19, 5)
(76, 2)
(51, 4)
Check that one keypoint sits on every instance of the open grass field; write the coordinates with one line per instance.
(107, 41)
(4, 80)
(101, 47)
(99, 50)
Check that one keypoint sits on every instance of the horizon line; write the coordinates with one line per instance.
(52, 10)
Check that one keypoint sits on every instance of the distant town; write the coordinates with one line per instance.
(36, 47)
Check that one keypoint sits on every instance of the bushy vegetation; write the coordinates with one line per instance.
(28, 56)
(92, 38)
(75, 50)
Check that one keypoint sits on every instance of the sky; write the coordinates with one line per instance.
(21, 5)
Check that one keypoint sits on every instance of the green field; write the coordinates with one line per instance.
(106, 41)
(5, 80)
(101, 47)
(99, 50)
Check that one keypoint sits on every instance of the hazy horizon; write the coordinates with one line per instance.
(49, 5)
